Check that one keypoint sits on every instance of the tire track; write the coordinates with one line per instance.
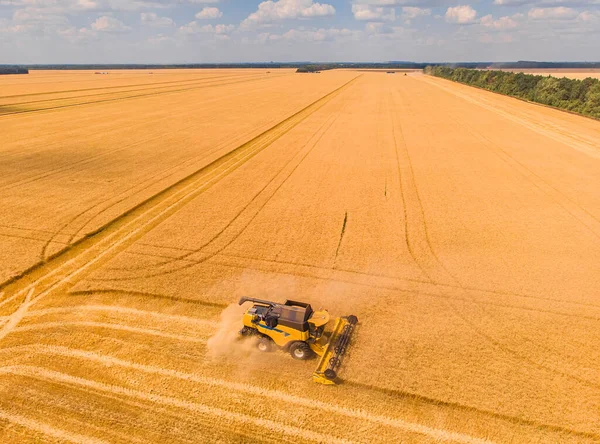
(108, 326)
(508, 351)
(125, 90)
(202, 409)
(105, 127)
(391, 287)
(136, 96)
(357, 414)
(48, 430)
(550, 131)
(117, 235)
(185, 257)
(105, 133)
(565, 202)
(145, 184)
(121, 310)
(150, 181)
(147, 295)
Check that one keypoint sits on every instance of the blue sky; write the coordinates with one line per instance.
(177, 31)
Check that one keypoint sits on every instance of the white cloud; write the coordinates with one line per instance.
(547, 3)
(392, 3)
(378, 28)
(313, 35)
(511, 2)
(462, 14)
(559, 13)
(502, 23)
(273, 11)
(74, 6)
(412, 12)
(195, 28)
(589, 17)
(151, 19)
(109, 24)
(370, 13)
(209, 14)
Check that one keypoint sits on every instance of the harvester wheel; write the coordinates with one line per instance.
(246, 331)
(264, 345)
(352, 320)
(330, 374)
(300, 350)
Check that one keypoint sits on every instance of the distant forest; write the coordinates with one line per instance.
(13, 70)
(579, 96)
(305, 66)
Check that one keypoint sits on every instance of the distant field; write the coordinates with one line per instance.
(461, 227)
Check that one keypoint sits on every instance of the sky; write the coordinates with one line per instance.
(217, 31)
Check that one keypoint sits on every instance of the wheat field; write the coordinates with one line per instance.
(460, 226)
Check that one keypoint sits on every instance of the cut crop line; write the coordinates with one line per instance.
(147, 295)
(357, 414)
(184, 258)
(536, 180)
(116, 235)
(152, 180)
(404, 198)
(150, 86)
(135, 96)
(391, 287)
(116, 87)
(145, 184)
(120, 310)
(550, 132)
(513, 354)
(272, 426)
(48, 430)
(105, 325)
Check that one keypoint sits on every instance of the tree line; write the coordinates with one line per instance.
(13, 70)
(579, 96)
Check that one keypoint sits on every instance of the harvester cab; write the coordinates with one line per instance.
(296, 328)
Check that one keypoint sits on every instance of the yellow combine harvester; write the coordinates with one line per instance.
(294, 327)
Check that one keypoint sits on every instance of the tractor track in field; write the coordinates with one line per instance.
(135, 96)
(184, 258)
(198, 408)
(148, 295)
(383, 286)
(510, 352)
(49, 430)
(465, 408)
(145, 184)
(549, 130)
(253, 390)
(45, 175)
(93, 250)
(568, 204)
(124, 195)
(173, 83)
(109, 129)
(561, 199)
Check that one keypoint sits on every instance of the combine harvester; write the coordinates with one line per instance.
(295, 328)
